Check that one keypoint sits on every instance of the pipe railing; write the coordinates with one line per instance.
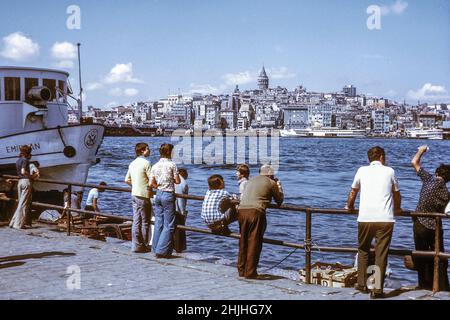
(307, 246)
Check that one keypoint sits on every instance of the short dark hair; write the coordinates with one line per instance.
(140, 148)
(25, 150)
(243, 170)
(375, 153)
(103, 183)
(443, 171)
(183, 172)
(215, 181)
(165, 150)
(36, 163)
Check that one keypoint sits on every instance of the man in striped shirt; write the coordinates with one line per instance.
(217, 210)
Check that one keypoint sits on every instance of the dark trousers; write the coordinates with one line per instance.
(221, 227)
(424, 241)
(252, 224)
(367, 231)
(179, 236)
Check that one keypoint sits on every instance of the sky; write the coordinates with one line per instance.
(139, 50)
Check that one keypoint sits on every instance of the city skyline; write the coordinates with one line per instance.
(147, 50)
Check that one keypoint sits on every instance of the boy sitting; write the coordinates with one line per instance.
(218, 211)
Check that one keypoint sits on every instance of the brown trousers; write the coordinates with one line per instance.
(252, 224)
(367, 231)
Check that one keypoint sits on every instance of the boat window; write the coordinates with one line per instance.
(62, 91)
(29, 84)
(51, 84)
(12, 89)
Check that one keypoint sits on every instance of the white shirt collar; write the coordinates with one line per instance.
(376, 163)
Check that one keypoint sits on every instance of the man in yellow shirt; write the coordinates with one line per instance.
(138, 178)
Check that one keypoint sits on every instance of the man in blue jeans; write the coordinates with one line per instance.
(138, 177)
(164, 176)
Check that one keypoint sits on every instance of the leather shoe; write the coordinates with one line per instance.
(361, 289)
(377, 295)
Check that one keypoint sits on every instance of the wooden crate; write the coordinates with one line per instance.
(331, 275)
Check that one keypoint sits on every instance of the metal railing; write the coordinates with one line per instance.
(307, 246)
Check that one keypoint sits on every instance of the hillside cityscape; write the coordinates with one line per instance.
(274, 108)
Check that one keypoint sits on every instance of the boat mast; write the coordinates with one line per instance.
(80, 99)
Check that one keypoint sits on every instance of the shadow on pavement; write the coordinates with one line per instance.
(11, 264)
(36, 256)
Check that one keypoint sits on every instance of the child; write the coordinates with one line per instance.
(218, 211)
(179, 236)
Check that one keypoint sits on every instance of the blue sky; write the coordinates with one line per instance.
(137, 50)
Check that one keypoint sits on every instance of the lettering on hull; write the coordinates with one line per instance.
(16, 148)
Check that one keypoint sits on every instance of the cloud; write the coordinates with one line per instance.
(121, 73)
(429, 92)
(92, 86)
(280, 73)
(131, 92)
(111, 104)
(65, 64)
(118, 92)
(398, 7)
(206, 89)
(239, 78)
(65, 53)
(18, 47)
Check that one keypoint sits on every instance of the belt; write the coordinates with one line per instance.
(217, 224)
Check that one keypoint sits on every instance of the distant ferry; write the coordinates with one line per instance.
(324, 133)
(34, 111)
(430, 134)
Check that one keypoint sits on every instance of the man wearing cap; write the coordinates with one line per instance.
(256, 197)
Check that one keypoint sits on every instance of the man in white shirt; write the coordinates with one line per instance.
(93, 196)
(137, 177)
(380, 199)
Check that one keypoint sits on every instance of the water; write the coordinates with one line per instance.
(314, 172)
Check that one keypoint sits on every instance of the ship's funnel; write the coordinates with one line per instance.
(40, 94)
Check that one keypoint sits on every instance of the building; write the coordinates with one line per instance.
(212, 116)
(263, 80)
(295, 117)
(381, 122)
(349, 91)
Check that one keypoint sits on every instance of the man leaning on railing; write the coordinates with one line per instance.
(380, 197)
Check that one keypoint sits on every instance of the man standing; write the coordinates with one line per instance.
(434, 196)
(380, 198)
(242, 174)
(164, 176)
(24, 188)
(258, 194)
(138, 177)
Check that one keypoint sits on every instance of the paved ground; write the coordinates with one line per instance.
(39, 263)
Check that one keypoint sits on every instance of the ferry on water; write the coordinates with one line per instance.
(324, 133)
(34, 111)
(422, 133)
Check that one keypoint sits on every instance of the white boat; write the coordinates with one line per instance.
(34, 111)
(421, 133)
(324, 133)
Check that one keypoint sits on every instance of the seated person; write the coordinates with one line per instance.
(218, 211)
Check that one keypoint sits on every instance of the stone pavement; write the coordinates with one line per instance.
(40, 263)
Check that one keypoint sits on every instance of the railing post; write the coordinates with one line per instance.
(308, 246)
(68, 212)
(437, 250)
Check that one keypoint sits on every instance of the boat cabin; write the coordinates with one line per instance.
(32, 99)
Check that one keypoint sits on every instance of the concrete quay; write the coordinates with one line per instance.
(43, 264)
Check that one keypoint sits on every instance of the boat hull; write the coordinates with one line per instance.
(64, 153)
